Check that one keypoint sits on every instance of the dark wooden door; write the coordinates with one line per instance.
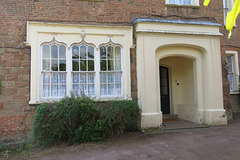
(164, 90)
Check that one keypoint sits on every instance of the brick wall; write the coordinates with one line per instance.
(15, 127)
(235, 101)
(15, 57)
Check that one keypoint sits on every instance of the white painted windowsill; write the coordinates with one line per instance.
(182, 5)
(234, 92)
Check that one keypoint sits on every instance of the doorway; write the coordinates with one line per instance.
(164, 89)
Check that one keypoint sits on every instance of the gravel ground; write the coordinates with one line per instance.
(214, 143)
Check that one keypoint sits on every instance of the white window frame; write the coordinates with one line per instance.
(41, 71)
(193, 3)
(114, 71)
(70, 84)
(235, 71)
(40, 32)
(69, 74)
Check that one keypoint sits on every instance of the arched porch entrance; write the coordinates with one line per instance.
(177, 86)
(191, 53)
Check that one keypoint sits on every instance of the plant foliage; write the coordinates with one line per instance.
(77, 120)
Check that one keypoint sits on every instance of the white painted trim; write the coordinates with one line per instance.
(193, 3)
(39, 32)
(149, 114)
(178, 32)
(234, 92)
(81, 25)
(236, 63)
(212, 110)
(236, 68)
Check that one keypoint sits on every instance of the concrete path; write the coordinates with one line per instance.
(214, 143)
(174, 123)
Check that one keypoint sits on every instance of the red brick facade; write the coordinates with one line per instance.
(15, 56)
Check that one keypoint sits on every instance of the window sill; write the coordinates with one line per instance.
(35, 102)
(183, 5)
(232, 92)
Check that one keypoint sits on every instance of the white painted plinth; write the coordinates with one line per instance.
(213, 116)
(151, 120)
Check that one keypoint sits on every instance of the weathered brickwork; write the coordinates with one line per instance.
(18, 126)
(15, 57)
(235, 101)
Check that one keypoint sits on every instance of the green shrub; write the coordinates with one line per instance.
(120, 116)
(76, 120)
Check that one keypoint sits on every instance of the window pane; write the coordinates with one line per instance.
(230, 68)
(103, 65)
(90, 52)
(62, 90)
(110, 77)
(54, 78)
(91, 78)
(117, 53)
(90, 65)
(110, 65)
(54, 51)
(46, 65)
(110, 52)
(76, 89)
(75, 65)
(230, 78)
(62, 51)
(117, 65)
(117, 77)
(83, 78)
(103, 52)
(177, 1)
(186, 1)
(46, 51)
(118, 89)
(83, 65)
(103, 78)
(103, 89)
(62, 78)
(46, 90)
(229, 59)
(46, 78)
(110, 89)
(54, 90)
(54, 65)
(83, 52)
(62, 65)
(91, 91)
(75, 52)
(75, 77)
(83, 90)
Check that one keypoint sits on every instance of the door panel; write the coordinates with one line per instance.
(164, 90)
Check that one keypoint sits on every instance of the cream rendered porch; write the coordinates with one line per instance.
(191, 52)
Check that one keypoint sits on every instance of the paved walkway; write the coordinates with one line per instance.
(173, 123)
(214, 143)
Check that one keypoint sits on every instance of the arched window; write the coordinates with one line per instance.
(110, 70)
(53, 70)
(83, 71)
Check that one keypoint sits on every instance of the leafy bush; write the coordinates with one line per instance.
(76, 120)
(119, 116)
